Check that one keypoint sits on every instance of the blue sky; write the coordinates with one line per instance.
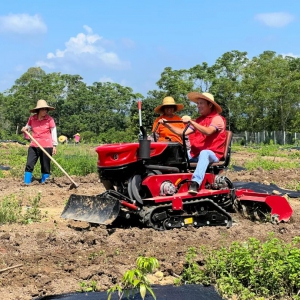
(131, 42)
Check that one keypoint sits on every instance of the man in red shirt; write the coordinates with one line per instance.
(44, 132)
(207, 136)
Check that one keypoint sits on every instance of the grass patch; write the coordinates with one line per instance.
(11, 210)
(267, 164)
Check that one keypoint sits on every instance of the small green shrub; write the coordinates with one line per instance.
(136, 279)
(10, 210)
(87, 286)
(251, 269)
(33, 213)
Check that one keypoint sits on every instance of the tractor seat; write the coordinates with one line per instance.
(224, 162)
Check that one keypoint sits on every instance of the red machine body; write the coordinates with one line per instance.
(149, 181)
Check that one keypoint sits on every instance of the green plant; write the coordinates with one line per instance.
(191, 272)
(87, 286)
(93, 255)
(249, 269)
(10, 209)
(33, 213)
(136, 279)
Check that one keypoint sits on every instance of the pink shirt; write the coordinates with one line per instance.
(41, 130)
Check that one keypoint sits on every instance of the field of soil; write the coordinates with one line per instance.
(56, 255)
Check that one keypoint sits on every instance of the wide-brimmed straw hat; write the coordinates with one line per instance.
(62, 138)
(77, 134)
(168, 101)
(41, 104)
(195, 96)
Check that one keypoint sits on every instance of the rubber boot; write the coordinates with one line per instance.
(27, 177)
(44, 177)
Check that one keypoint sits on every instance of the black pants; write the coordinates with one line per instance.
(36, 153)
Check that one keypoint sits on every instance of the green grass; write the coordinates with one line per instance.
(264, 157)
(75, 160)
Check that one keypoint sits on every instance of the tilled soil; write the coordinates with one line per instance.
(56, 255)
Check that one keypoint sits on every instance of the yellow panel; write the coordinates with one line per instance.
(188, 221)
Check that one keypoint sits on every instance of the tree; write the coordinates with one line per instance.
(33, 85)
(269, 92)
(226, 83)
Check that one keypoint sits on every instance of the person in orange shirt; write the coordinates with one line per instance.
(167, 111)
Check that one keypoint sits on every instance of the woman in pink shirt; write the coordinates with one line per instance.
(44, 132)
(77, 138)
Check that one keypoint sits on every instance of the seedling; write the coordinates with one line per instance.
(135, 279)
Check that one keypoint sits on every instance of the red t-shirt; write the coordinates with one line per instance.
(41, 130)
(214, 142)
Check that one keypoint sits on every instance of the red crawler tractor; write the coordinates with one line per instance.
(148, 181)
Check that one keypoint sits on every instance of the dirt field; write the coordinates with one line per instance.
(57, 255)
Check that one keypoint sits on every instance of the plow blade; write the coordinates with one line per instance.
(99, 209)
(280, 209)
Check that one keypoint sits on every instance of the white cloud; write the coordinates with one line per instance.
(87, 49)
(41, 63)
(291, 54)
(279, 19)
(22, 24)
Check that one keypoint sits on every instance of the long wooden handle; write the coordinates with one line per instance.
(59, 166)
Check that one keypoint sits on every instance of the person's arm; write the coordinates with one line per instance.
(175, 129)
(26, 127)
(217, 124)
(203, 129)
(54, 139)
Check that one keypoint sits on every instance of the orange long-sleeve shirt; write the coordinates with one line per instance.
(165, 134)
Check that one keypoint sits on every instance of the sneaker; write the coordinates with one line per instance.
(193, 188)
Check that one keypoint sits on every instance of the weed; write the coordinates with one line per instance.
(87, 286)
(93, 255)
(11, 210)
(33, 213)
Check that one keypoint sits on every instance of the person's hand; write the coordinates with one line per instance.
(54, 151)
(186, 119)
(161, 121)
(23, 129)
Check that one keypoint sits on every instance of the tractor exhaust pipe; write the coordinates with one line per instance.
(144, 149)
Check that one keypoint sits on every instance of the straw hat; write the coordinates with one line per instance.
(195, 96)
(77, 134)
(41, 104)
(62, 138)
(168, 101)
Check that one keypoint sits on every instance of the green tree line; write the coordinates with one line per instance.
(256, 94)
